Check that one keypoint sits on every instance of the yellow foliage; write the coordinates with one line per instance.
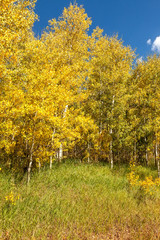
(148, 184)
(12, 198)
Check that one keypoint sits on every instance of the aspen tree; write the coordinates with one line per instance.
(111, 66)
(67, 41)
(144, 107)
(16, 21)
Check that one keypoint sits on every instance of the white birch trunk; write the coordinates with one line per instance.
(60, 155)
(157, 158)
(60, 152)
(30, 162)
(29, 169)
(51, 161)
(111, 151)
(51, 157)
(111, 142)
(39, 166)
(158, 167)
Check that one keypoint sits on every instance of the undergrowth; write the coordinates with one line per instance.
(77, 201)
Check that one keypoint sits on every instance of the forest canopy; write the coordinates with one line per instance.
(71, 94)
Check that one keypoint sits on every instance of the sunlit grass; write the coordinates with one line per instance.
(78, 201)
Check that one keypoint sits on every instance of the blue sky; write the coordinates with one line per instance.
(135, 21)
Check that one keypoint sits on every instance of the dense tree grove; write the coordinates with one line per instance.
(69, 94)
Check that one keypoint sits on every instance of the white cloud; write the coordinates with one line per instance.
(149, 41)
(139, 60)
(156, 45)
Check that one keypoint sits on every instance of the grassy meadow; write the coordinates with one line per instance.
(78, 201)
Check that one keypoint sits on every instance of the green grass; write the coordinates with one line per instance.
(78, 201)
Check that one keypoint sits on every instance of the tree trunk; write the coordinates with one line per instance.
(154, 153)
(146, 153)
(135, 152)
(60, 155)
(30, 162)
(146, 158)
(51, 160)
(29, 169)
(158, 167)
(111, 133)
(51, 157)
(39, 166)
(88, 152)
(157, 158)
(111, 150)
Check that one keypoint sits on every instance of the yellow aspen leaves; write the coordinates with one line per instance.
(149, 185)
(72, 94)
